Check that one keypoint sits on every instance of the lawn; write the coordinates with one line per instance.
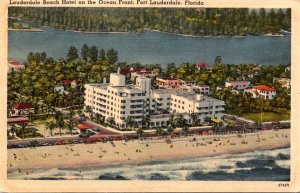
(268, 116)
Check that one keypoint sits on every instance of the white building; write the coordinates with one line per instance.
(120, 101)
(202, 89)
(14, 65)
(261, 91)
(238, 85)
(285, 82)
(59, 89)
(142, 73)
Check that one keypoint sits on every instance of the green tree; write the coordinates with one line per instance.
(112, 56)
(72, 53)
(130, 121)
(61, 124)
(218, 60)
(50, 126)
(111, 121)
(85, 52)
(93, 53)
(70, 126)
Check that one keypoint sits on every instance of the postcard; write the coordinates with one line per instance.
(149, 96)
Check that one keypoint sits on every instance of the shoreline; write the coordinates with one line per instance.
(135, 153)
(153, 30)
(26, 30)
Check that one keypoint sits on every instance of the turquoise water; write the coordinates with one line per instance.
(155, 47)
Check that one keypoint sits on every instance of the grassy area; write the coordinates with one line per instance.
(268, 116)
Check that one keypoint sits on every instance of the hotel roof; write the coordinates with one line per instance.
(188, 95)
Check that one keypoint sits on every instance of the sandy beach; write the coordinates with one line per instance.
(135, 152)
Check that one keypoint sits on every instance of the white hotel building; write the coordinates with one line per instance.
(118, 100)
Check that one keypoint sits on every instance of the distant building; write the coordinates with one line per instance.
(14, 65)
(261, 91)
(238, 85)
(287, 69)
(22, 109)
(285, 82)
(72, 83)
(142, 73)
(17, 120)
(201, 89)
(168, 82)
(203, 66)
(59, 89)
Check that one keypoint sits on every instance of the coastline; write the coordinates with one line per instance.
(135, 153)
(153, 30)
(26, 30)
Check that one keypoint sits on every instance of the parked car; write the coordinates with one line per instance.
(44, 144)
(21, 146)
(84, 135)
(58, 142)
(74, 142)
(95, 129)
(66, 142)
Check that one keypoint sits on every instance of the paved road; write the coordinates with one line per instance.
(103, 132)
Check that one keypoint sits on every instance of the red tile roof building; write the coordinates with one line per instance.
(15, 65)
(203, 66)
(22, 109)
(261, 91)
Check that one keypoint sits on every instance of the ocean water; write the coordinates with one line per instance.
(266, 165)
(155, 47)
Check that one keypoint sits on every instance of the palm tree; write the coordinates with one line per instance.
(58, 115)
(258, 124)
(111, 121)
(50, 126)
(194, 117)
(244, 125)
(158, 130)
(70, 126)
(185, 128)
(88, 109)
(217, 126)
(61, 124)
(207, 119)
(13, 130)
(23, 129)
(146, 121)
(130, 121)
(180, 121)
(99, 117)
(229, 125)
(139, 132)
(172, 124)
(71, 113)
